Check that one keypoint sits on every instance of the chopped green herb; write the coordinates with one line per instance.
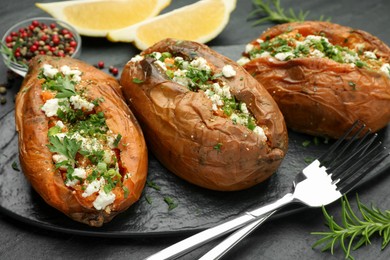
(68, 147)
(306, 143)
(117, 140)
(64, 86)
(15, 166)
(359, 64)
(54, 130)
(153, 185)
(316, 140)
(125, 192)
(352, 84)
(137, 81)
(218, 147)
(148, 199)
(170, 202)
(308, 160)
(97, 101)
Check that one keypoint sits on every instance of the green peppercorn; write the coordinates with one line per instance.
(3, 100)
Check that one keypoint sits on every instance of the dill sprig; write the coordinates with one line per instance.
(273, 12)
(354, 232)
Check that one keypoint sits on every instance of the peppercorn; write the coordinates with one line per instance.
(3, 90)
(39, 38)
(114, 71)
(3, 100)
(100, 64)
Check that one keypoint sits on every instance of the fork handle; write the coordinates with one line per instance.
(222, 248)
(190, 243)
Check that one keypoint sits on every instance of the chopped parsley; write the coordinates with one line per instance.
(15, 166)
(64, 86)
(67, 147)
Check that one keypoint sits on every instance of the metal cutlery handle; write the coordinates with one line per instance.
(222, 248)
(207, 235)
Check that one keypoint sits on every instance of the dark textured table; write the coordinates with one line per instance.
(284, 238)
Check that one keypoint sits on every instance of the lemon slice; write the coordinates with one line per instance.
(201, 22)
(98, 17)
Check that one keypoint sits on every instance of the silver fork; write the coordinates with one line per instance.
(323, 181)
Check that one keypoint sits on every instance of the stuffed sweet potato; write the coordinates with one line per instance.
(323, 76)
(204, 117)
(80, 146)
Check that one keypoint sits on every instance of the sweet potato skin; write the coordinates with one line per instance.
(182, 131)
(36, 158)
(316, 95)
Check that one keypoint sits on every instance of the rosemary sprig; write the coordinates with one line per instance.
(354, 232)
(273, 12)
(10, 54)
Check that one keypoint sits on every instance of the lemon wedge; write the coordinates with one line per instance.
(201, 22)
(98, 17)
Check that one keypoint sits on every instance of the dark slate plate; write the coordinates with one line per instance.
(197, 208)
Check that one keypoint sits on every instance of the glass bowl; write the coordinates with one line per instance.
(44, 44)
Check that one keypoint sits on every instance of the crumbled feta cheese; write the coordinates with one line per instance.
(80, 173)
(244, 108)
(217, 89)
(259, 40)
(249, 47)
(60, 124)
(60, 136)
(216, 99)
(93, 187)
(137, 58)
(200, 63)
(71, 183)
(259, 131)
(315, 38)
(370, 54)
(243, 60)
(239, 119)
(179, 76)
(228, 71)
(265, 54)
(51, 107)
(350, 58)
(156, 55)
(66, 70)
(57, 158)
(161, 64)
(283, 55)
(386, 69)
(226, 92)
(103, 199)
(88, 144)
(107, 158)
(79, 103)
(317, 53)
(49, 71)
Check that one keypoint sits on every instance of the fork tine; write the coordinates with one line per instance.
(345, 187)
(349, 169)
(337, 144)
(349, 157)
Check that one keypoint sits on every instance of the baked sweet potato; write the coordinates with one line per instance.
(79, 144)
(204, 117)
(323, 76)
